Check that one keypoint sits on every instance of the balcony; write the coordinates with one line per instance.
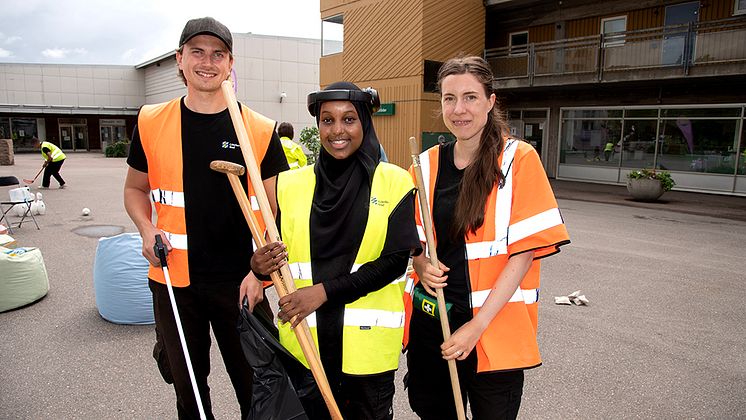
(713, 48)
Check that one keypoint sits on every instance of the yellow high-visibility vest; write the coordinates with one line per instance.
(374, 324)
(54, 152)
(293, 153)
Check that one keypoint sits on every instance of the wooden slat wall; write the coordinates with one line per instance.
(394, 130)
(330, 69)
(451, 28)
(541, 33)
(715, 9)
(383, 40)
(645, 18)
(583, 27)
(326, 6)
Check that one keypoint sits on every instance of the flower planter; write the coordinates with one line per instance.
(645, 189)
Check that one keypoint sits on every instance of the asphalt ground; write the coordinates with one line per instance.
(663, 336)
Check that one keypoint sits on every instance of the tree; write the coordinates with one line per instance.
(309, 138)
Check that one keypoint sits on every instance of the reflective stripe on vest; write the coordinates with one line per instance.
(527, 296)
(373, 324)
(367, 318)
(302, 270)
(169, 198)
(502, 211)
(178, 241)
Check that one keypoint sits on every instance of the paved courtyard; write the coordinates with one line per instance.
(663, 337)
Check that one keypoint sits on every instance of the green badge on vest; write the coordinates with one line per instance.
(428, 304)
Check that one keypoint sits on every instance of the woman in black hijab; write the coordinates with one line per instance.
(350, 219)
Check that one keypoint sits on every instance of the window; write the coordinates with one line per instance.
(332, 35)
(519, 43)
(611, 28)
(5, 128)
(740, 7)
(430, 78)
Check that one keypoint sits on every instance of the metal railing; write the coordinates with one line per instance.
(680, 46)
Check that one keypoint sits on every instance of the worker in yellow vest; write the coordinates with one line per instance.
(608, 150)
(293, 152)
(494, 216)
(199, 219)
(348, 224)
(53, 160)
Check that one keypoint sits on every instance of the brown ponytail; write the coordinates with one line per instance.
(483, 172)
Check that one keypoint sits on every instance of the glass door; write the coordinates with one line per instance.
(80, 133)
(106, 136)
(675, 43)
(533, 132)
(66, 136)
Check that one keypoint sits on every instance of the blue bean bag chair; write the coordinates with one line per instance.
(23, 277)
(120, 280)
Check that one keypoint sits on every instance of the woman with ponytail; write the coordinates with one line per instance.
(494, 217)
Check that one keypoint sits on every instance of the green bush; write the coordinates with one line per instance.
(117, 149)
(663, 176)
(309, 137)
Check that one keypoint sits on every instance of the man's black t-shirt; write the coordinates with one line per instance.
(219, 241)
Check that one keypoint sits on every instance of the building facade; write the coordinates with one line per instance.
(87, 107)
(599, 88)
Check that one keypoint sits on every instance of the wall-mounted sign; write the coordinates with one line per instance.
(386, 109)
(111, 122)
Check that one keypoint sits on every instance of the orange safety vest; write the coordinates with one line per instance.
(519, 217)
(160, 133)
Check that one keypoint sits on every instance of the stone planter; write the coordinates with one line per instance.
(645, 189)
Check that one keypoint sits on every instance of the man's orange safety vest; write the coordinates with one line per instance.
(160, 133)
(519, 217)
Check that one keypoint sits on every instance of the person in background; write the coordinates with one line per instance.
(53, 160)
(494, 216)
(293, 152)
(209, 243)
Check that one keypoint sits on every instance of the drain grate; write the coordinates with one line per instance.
(98, 231)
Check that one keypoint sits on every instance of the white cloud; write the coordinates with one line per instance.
(11, 39)
(55, 52)
(5, 53)
(58, 53)
(127, 55)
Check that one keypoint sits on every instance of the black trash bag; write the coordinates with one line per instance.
(283, 388)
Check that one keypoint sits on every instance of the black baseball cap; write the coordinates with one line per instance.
(206, 26)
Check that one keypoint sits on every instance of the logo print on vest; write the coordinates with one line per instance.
(229, 145)
(377, 202)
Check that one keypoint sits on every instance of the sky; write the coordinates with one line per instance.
(134, 31)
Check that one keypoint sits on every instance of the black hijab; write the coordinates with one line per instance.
(339, 211)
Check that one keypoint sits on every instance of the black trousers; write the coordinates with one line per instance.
(491, 395)
(202, 307)
(369, 397)
(53, 170)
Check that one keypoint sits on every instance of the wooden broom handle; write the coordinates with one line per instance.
(302, 331)
(442, 311)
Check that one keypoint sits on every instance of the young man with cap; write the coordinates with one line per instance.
(199, 219)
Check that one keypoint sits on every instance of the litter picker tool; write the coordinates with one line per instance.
(302, 332)
(31, 181)
(428, 227)
(161, 251)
